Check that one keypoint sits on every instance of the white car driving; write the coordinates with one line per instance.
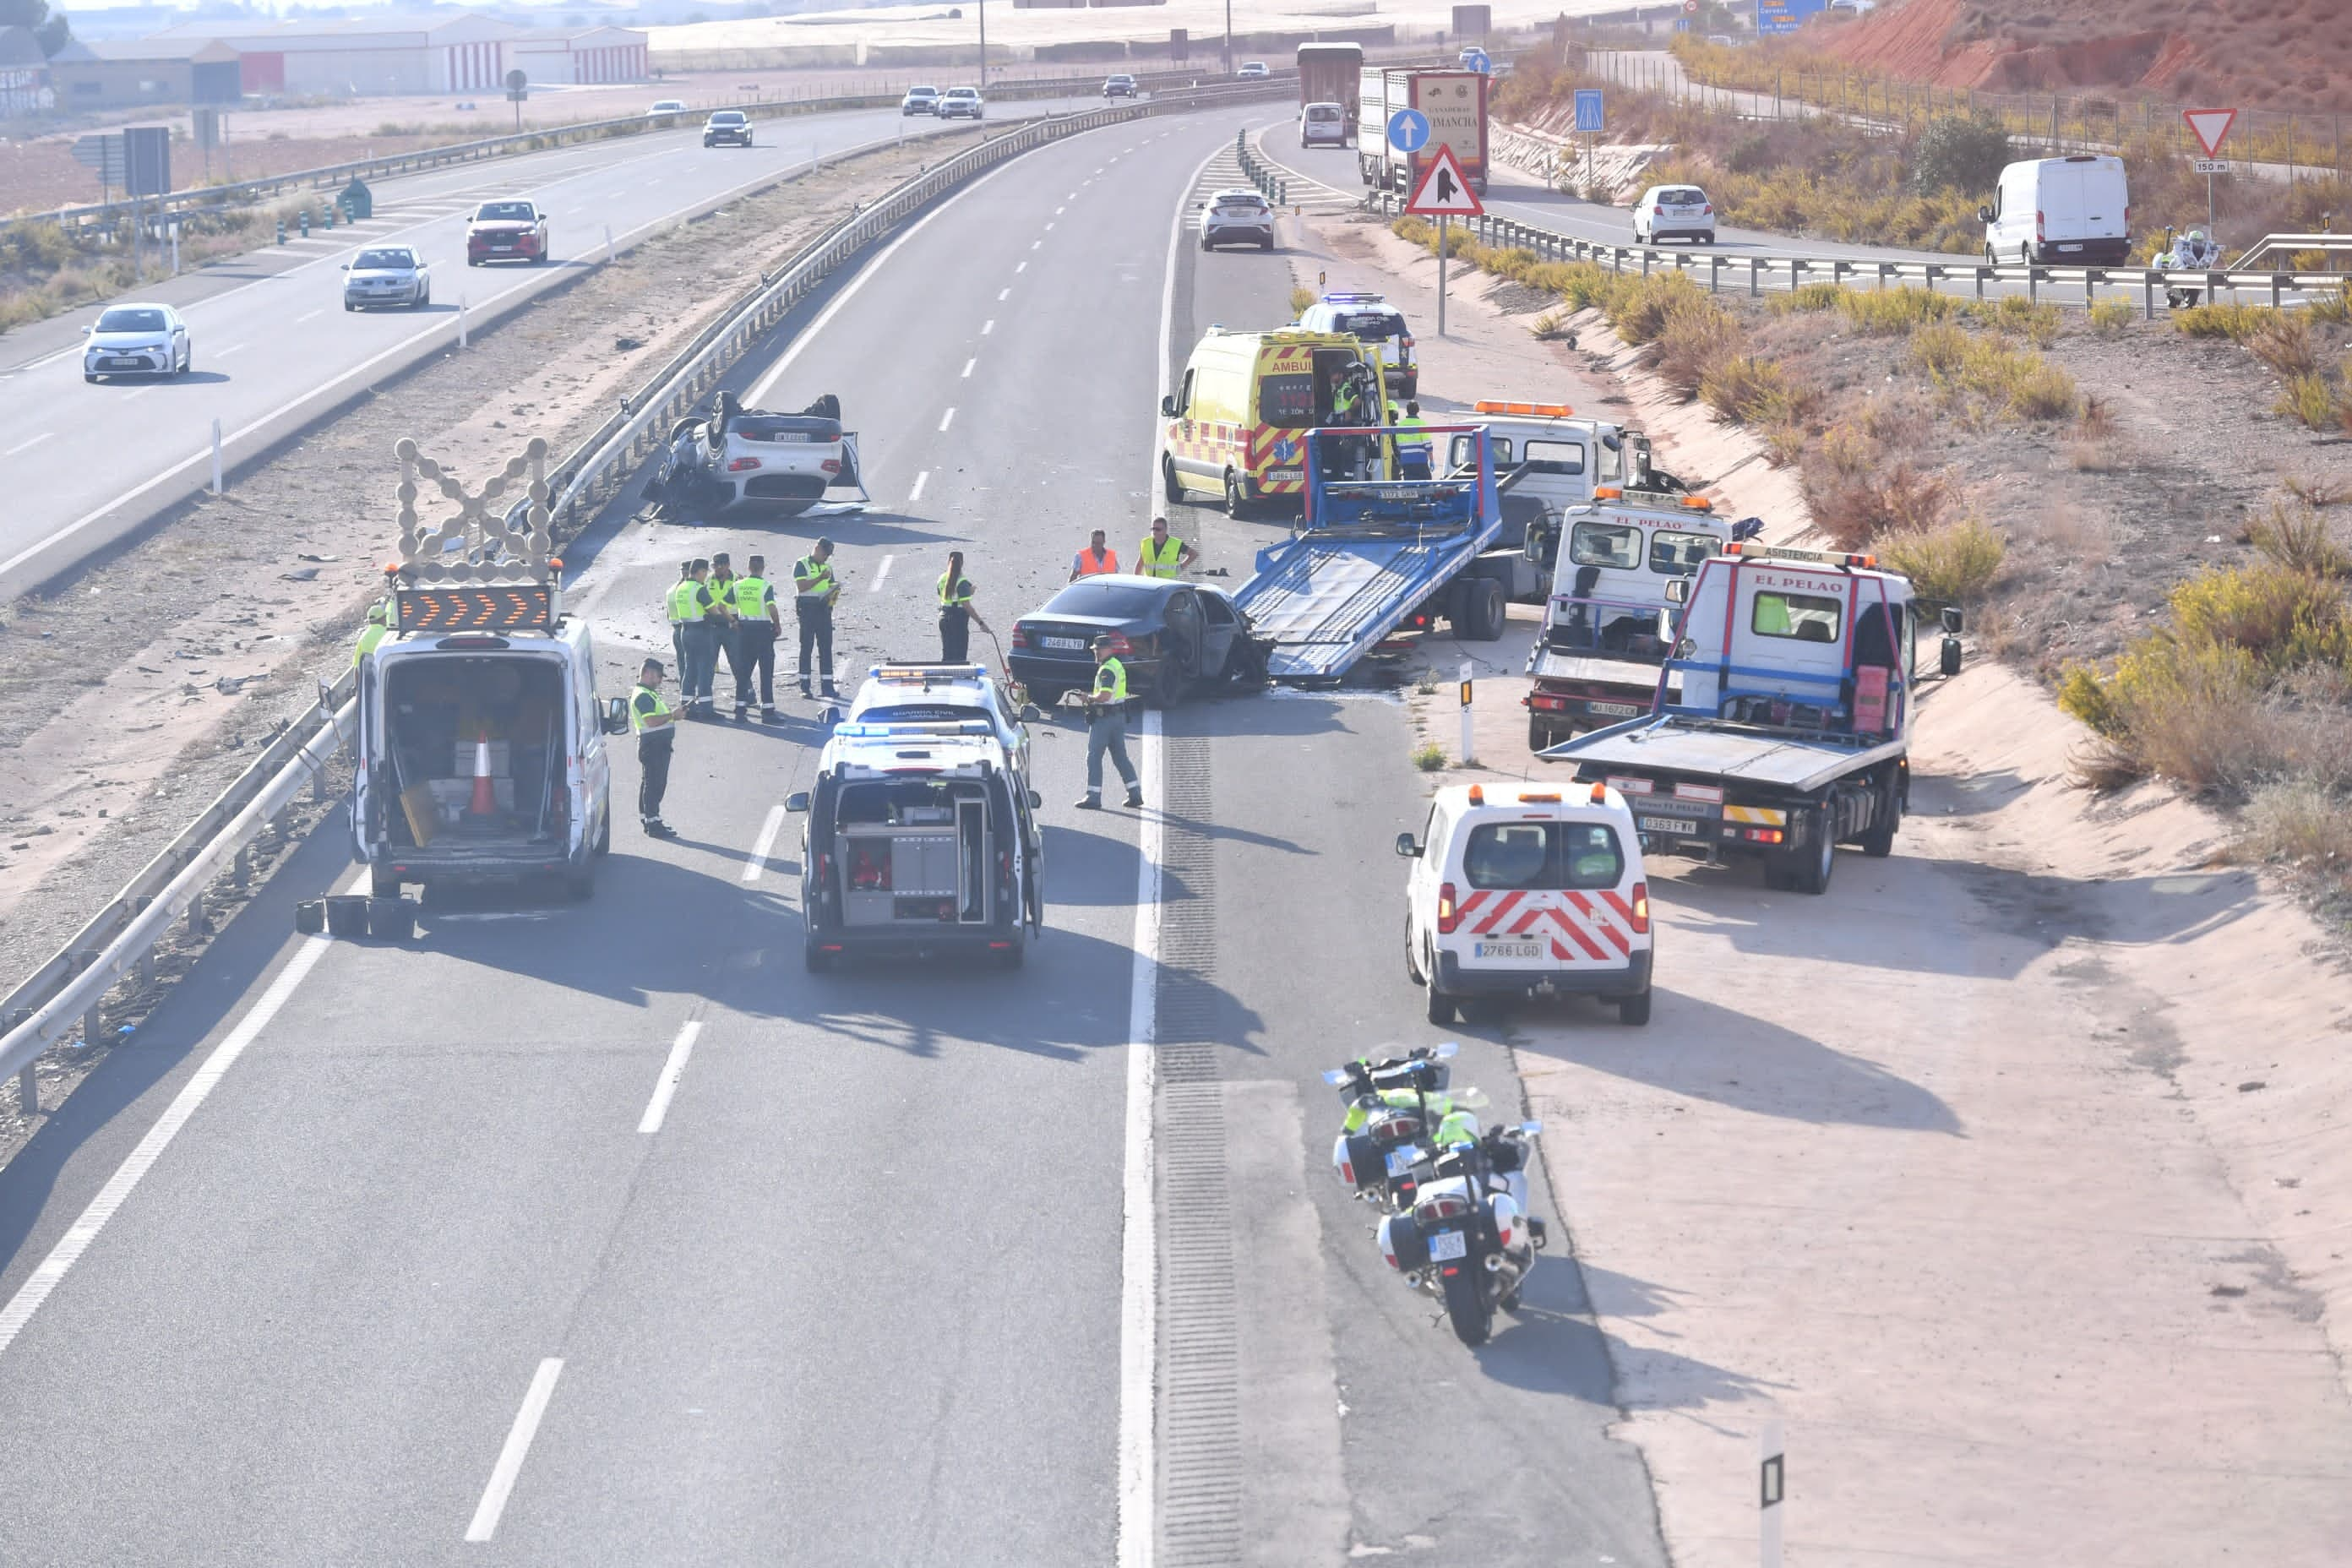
(961, 103)
(137, 340)
(1679, 212)
(1236, 217)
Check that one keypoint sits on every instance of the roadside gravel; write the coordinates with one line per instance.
(134, 692)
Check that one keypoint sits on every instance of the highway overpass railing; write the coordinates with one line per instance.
(71, 991)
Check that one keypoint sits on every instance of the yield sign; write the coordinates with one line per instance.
(2210, 127)
(1444, 191)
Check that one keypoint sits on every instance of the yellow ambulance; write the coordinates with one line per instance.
(1237, 423)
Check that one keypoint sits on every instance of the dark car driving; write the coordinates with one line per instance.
(1169, 635)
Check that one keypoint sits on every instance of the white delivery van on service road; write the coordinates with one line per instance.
(2075, 208)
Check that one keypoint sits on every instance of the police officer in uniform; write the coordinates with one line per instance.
(691, 607)
(814, 590)
(1414, 456)
(650, 717)
(957, 615)
(1164, 556)
(757, 622)
(1107, 728)
(722, 589)
(677, 621)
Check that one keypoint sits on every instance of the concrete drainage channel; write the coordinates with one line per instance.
(1199, 1414)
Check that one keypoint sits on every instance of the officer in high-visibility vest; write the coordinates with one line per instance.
(756, 626)
(956, 614)
(379, 622)
(723, 594)
(650, 717)
(1164, 556)
(691, 606)
(678, 621)
(1096, 560)
(1107, 728)
(1412, 455)
(815, 589)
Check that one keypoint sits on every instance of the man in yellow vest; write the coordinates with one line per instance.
(756, 626)
(379, 623)
(1097, 559)
(656, 733)
(1163, 555)
(678, 621)
(1107, 728)
(815, 589)
(1413, 455)
(691, 606)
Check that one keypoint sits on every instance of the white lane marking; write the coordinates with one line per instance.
(1057, 213)
(988, 326)
(1049, 228)
(765, 842)
(967, 368)
(1034, 245)
(879, 573)
(674, 1067)
(130, 397)
(784, 362)
(231, 349)
(300, 320)
(1001, 295)
(915, 492)
(127, 1177)
(518, 1445)
(945, 420)
(1139, 1262)
(1022, 267)
(26, 446)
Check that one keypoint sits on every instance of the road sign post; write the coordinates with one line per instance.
(1444, 193)
(1772, 1483)
(1592, 119)
(1469, 740)
(517, 91)
(2212, 128)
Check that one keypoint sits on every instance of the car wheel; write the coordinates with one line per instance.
(1266, 245)
(1440, 1009)
(1710, 237)
(1411, 956)
(1167, 686)
(349, 306)
(1234, 503)
(89, 378)
(473, 261)
(1205, 244)
(187, 362)
(1991, 258)
(1634, 1009)
(1171, 486)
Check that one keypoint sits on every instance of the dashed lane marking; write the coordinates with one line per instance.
(518, 1445)
(674, 1065)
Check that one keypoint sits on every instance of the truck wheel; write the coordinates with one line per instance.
(384, 882)
(1634, 1009)
(814, 959)
(1811, 865)
(1539, 735)
(1879, 842)
(1481, 610)
(1169, 485)
(580, 882)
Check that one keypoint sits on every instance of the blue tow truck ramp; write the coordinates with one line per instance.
(1368, 552)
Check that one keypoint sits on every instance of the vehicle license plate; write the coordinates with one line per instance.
(1615, 709)
(1667, 824)
(1066, 642)
(1507, 949)
(1402, 1160)
(1447, 1245)
(2070, 247)
(1285, 476)
(126, 365)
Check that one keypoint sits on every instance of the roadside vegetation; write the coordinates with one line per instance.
(45, 271)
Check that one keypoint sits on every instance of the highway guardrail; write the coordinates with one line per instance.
(117, 944)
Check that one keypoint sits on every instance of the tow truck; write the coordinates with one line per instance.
(1781, 725)
(1374, 552)
(1609, 619)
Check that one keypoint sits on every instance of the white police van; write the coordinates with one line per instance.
(1380, 326)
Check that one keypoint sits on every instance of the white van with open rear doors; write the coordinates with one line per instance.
(1524, 892)
(2072, 209)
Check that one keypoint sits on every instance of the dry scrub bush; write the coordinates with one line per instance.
(2112, 318)
(1695, 338)
(2299, 539)
(2035, 321)
(1744, 390)
(1300, 298)
(2284, 342)
(2316, 489)
(1886, 313)
(2299, 821)
(2022, 383)
(1807, 297)
(1852, 511)
(2310, 401)
(1949, 565)
(2222, 318)
(1847, 449)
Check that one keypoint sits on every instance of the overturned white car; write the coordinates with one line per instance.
(749, 457)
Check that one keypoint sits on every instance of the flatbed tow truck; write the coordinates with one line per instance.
(1781, 723)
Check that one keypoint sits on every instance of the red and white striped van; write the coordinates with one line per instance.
(1525, 890)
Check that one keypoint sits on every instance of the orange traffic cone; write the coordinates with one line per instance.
(485, 798)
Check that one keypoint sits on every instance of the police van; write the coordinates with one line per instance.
(1236, 424)
(1380, 326)
(919, 839)
(1528, 892)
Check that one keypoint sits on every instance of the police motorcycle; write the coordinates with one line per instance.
(1400, 1111)
(1467, 1239)
(2192, 253)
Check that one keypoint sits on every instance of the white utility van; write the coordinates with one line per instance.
(2070, 209)
(1381, 327)
(1528, 892)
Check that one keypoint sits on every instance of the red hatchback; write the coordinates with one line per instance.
(506, 231)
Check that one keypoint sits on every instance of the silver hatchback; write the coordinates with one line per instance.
(384, 275)
(1236, 217)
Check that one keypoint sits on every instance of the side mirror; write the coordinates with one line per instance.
(1677, 590)
(345, 267)
(1408, 846)
(1984, 214)
(1530, 1128)
(616, 715)
(1948, 660)
(1036, 801)
(1951, 617)
(1031, 713)
(86, 331)
(1167, 404)
(796, 801)
(1686, 648)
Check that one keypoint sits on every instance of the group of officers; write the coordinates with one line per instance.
(714, 611)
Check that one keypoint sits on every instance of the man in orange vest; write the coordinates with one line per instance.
(1095, 560)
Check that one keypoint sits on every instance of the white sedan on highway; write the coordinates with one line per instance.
(137, 340)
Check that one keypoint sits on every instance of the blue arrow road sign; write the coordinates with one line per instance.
(1478, 60)
(1408, 130)
(1588, 110)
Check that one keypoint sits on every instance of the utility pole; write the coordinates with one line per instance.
(983, 48)
(1229, 37)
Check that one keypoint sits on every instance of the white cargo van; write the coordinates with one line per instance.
(2072, 209)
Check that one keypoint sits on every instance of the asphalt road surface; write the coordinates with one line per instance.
(274, 347)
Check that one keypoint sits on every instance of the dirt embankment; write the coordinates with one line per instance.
(2273, 53)
(135, 693)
